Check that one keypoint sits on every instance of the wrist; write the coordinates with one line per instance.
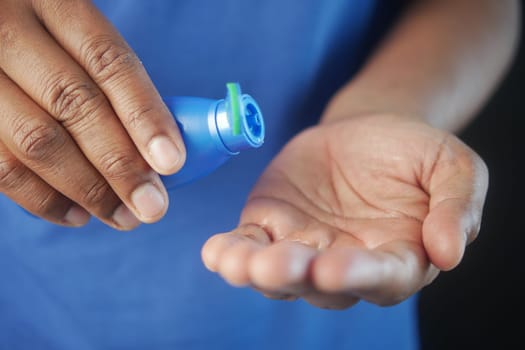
(354, 101)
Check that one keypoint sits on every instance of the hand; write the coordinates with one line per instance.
(83, 131)
(368, 208)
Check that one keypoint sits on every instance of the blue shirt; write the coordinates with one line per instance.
(96, 288)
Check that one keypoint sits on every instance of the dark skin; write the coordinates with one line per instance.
(73, 93)
(371, 204)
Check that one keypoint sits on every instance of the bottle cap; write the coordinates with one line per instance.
(240, 122)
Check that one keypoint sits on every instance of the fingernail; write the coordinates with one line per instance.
(124, 218)
(148, 201)
(165, 154)
(76, 216)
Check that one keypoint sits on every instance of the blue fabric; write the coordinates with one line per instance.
(95, 288)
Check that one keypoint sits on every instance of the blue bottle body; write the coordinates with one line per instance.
(213, 131)
(208, 129)
(205, 150)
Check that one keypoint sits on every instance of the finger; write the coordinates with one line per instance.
(33, 194)
(43, 146)
(61, 87)
(229, 253)
(276, 295)
(335, 301)
(385, 275)
(457, 192)
(233, 265)
(282, 267)
(93, 42)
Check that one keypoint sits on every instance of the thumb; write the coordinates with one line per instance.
(457, 187)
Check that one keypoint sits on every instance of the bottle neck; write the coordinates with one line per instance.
(251, 121)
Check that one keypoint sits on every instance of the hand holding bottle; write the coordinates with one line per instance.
(83, 131)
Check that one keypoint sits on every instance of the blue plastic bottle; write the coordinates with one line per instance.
(214, 131)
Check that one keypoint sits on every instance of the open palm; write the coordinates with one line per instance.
(367, 208)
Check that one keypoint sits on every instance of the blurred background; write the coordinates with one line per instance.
(478, 305)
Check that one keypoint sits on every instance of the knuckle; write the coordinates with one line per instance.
(50, 204)
(107, 58)
(73, 101)
(14, 16)
(8, 32)
(38, 141)
(96, 194)
(139, 116)
(117, 166)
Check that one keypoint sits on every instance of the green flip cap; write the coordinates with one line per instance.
(234, 100)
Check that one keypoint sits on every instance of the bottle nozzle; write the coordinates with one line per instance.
(242, 124)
